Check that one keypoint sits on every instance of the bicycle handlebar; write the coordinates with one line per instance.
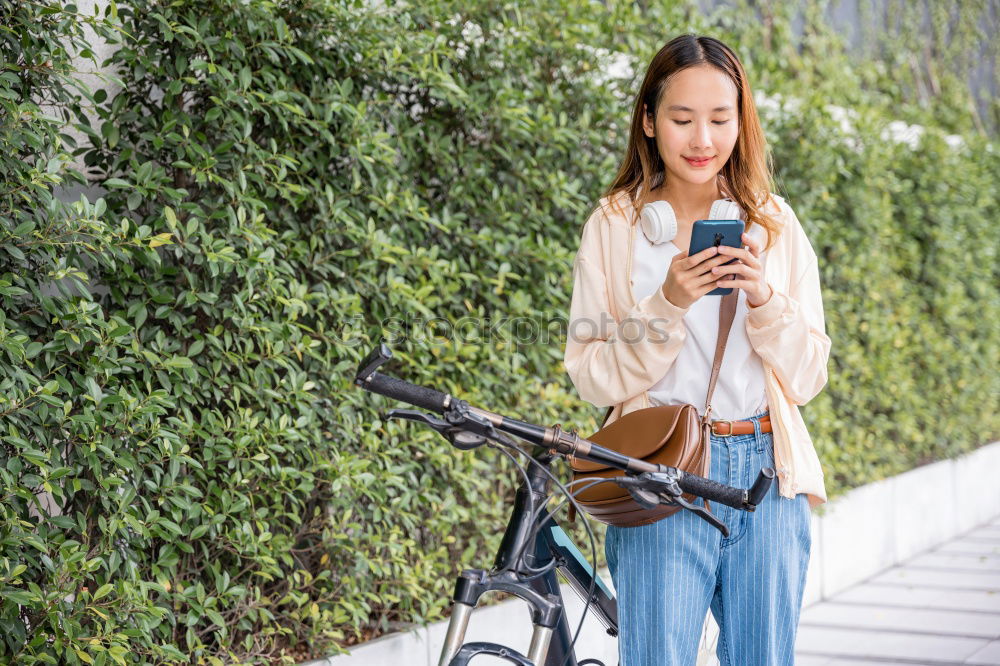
(418, 396)
(650, 476)
(712, 490)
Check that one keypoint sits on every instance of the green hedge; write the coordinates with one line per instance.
(188, 472)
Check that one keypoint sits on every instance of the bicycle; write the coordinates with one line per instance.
(534, 546)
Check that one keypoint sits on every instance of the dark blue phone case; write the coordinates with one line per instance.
(707, 233)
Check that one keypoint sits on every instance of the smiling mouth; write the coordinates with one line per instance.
(702, 161)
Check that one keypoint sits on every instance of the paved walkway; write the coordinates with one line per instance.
(941, 607)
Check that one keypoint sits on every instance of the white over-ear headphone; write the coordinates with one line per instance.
(659, 223)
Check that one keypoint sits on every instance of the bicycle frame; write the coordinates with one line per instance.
(552, 636)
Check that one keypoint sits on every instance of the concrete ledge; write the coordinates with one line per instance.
(857, 536)
(876, 526)
(925, 509)
(861, 533)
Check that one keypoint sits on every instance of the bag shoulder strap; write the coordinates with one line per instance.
(727, 312)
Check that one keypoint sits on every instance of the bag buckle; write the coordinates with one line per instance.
(723, 434)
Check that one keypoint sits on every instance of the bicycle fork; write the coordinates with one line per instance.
(471, 585)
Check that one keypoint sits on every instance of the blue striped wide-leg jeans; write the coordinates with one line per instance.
(668, 574)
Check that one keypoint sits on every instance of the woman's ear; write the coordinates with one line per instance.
(648, 124)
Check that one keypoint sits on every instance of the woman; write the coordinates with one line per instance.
(643, 333)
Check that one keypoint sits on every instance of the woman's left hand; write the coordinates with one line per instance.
(749, 274)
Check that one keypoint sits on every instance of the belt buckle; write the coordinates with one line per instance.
(723, 434)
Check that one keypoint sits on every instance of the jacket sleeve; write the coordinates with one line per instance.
(611, 361)
(789, 332)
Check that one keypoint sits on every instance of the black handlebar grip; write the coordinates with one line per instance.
(710, 490)
(418, 396)
(760, 487)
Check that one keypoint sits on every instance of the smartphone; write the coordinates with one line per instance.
(707, 233)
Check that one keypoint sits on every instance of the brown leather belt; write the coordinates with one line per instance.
(720, 428)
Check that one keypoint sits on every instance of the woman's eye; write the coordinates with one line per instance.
(685, 122)
(682, 122)
(720, 122)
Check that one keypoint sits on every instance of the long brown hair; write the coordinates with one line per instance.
(746, 177)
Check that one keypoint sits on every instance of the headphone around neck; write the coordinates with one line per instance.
(659, 222)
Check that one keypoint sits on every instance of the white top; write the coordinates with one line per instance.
(739, 390)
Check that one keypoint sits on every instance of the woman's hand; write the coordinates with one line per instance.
(690, 278)
(748, 273)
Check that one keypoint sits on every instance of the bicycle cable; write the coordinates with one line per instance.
(538, 512)
(537, 526)
(524, 473)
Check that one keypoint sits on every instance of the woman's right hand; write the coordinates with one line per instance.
(690, 278)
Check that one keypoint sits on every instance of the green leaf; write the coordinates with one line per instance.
(24, 228)
(103, 591)
(178, 362)
(140, 316)
(50, 400)
(20, 597)
(93, 389)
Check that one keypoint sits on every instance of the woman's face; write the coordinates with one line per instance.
(696, 118)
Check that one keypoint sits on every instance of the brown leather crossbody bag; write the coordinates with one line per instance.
(672, 435)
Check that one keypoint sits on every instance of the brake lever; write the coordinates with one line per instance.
(672, 495)
(702, 513)
(458, 436)
(414, 415)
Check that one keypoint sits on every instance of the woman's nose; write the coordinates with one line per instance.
(702, 137)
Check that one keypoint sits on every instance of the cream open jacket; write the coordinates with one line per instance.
(616, 363)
